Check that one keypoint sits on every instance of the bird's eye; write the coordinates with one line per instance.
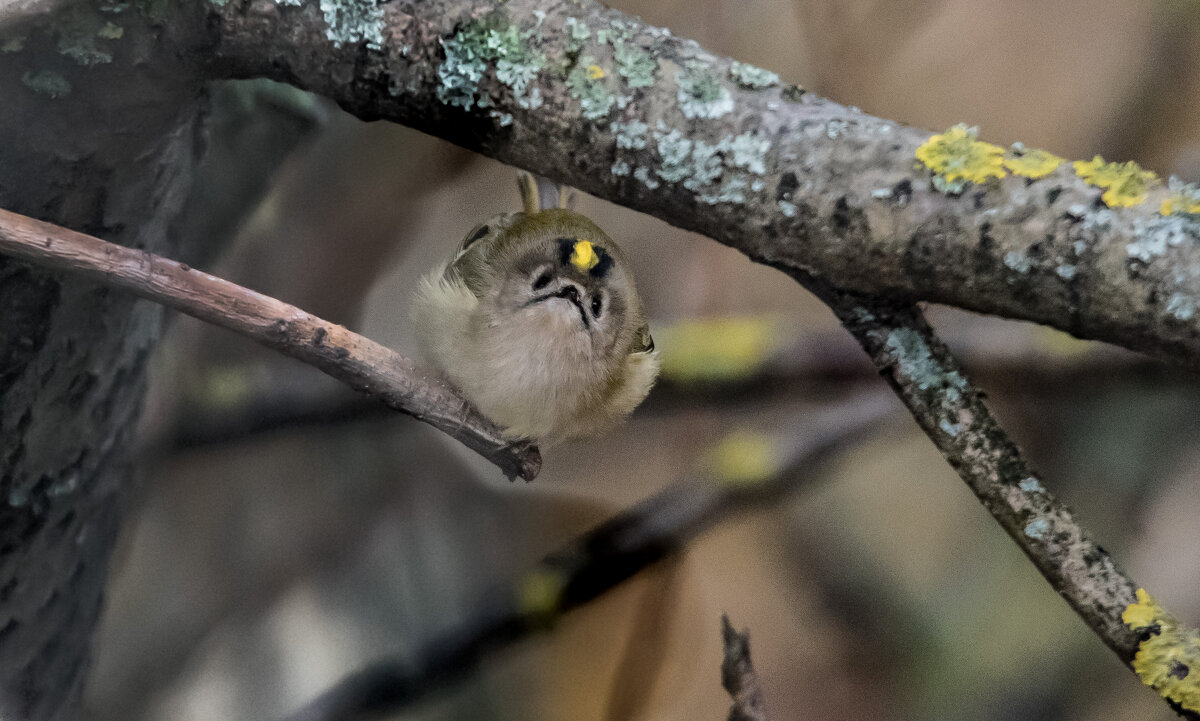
(597, 306)
(542, 281)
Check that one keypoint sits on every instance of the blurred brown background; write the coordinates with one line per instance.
(284, 534)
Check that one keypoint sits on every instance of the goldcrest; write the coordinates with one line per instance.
(537, 321)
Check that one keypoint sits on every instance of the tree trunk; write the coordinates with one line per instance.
(99, 134)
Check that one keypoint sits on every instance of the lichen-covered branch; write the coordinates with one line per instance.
(950, 409)
(357, 361)
(628, 112)
(750, 472)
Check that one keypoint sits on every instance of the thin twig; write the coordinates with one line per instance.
(351, 358)
(589, 566)
(738, 677)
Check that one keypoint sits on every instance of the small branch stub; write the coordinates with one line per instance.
(738, 677)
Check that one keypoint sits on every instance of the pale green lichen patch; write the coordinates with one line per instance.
(110, 31)
(643, 175)
(834, 129)
(1038, 529)
(630, 135)
(577, 33)
(750, 152)
(914, 363)
(701, 95)
(721, 172)
(1124, 184)
(634, 64)
(950, 429)
(353, 21)
(1181, 307)
(1017, 260)
(482, 44)
(47, 82)
(958, 157)
(84, 36)
(1031, 485)
(749, 76)
(1168, 656)
(1184, 198)
(1158, 233)
(586, 83)
(676, 153)
(13, 44)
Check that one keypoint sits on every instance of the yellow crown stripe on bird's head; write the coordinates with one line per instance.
(583, 256)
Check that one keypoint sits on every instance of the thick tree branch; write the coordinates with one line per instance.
(626, 111)
(593, 564)
(357, 361)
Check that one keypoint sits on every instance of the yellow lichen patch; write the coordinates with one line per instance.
(583, 255)
(1169, 659)
(1057, 343)
(539, 594)
(1033, 163)
(1174, 205)
(1184, 198)
(595, 72)
(958, 156)
(716, 349)
(1124, 184)
(743, 457)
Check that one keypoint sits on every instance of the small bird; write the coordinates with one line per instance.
(537, 321)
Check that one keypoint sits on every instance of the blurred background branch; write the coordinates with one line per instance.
(591, 565)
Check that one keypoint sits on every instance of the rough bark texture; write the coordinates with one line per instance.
(951, 411)
(629, 113)
(99, 134)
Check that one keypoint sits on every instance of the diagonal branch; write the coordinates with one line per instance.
(351, 358)
(950, 409)
(593, 564)
(628, 112)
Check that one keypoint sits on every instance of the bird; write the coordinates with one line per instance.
(536, 319)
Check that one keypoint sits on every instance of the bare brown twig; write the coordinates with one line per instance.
(347, 356)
